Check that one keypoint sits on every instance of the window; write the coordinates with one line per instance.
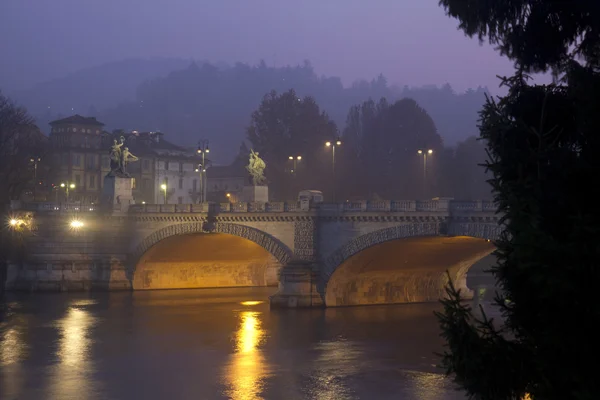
(76, 160)
(181, 167)
(105, 162)
(166, 165)
(64, 159)
(145, 184)
(195, 184)
(92, 181)
(91, 161)
(77, 181)
(133, 185)
(180, 200)
(146, 165)
(180, 183)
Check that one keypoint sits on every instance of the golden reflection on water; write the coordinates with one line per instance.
(11, 347)
(70, 379)
(11, 352)
(428, 386)
(251, 303)
(74, 343)
(247, 370)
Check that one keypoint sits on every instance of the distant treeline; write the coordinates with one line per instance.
(206, 101)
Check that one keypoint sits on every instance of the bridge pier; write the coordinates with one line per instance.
(298, 287)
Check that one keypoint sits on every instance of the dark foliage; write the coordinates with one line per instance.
(286, 126)
(543, 152)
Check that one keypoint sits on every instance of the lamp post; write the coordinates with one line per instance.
(294, 160)
(200, 168)
(333, 145)
(35, 161)
(67, 186)
(425, 154)
(203, 150)
(163, 187)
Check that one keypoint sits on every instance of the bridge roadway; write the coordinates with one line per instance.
(332, 254)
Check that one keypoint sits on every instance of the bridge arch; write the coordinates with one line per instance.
(277, 254)
(351, 274)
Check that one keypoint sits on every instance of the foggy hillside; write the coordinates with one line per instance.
(188, 101)
(98, 87)
(216, 103)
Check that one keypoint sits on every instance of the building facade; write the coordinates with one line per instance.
(176, 178)
(225, 183)
(80, 152)
(76, 144)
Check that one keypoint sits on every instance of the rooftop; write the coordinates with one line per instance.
(77, 119)
(147, 142)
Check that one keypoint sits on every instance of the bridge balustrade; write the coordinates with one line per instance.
(403, 205)
(379, 206)
(436, 205)
(473, 205)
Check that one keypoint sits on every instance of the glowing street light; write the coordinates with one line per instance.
(294, 160)
(13, 222)
(425, 153)
(202, 149)
(333, 145)
(164, 189)
(67, 186)
(76, 224)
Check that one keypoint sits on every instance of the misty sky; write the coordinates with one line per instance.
(409, 41)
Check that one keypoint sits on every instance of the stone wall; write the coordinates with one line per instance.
(60, 258)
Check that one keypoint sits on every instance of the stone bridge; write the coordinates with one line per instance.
(331, 254)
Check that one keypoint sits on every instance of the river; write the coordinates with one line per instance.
(214, 344)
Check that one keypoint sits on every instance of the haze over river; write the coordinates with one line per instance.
(214, 344)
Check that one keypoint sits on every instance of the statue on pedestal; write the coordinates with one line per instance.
(119, 158)
(115, 154)
(256, 168)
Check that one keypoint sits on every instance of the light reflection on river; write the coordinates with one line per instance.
(214, 344)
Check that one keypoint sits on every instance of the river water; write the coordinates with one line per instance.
(214, 344)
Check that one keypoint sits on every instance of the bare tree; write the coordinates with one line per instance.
(20, 142)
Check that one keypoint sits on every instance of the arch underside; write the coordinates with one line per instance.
(405, 270)
(183, 256)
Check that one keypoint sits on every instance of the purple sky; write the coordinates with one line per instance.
(409, 41)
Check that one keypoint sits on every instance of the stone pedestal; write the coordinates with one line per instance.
(298, 287)
(117, 194)
(255, 194)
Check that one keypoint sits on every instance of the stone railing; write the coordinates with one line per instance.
(54, 207)
(381, 206)
(378, 206)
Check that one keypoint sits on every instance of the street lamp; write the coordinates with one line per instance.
(203, 149)
(164, 189)
(294, 160)
(425, 154)
(67, 186)
(76, 224)
(35, 161)
(333, 145)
